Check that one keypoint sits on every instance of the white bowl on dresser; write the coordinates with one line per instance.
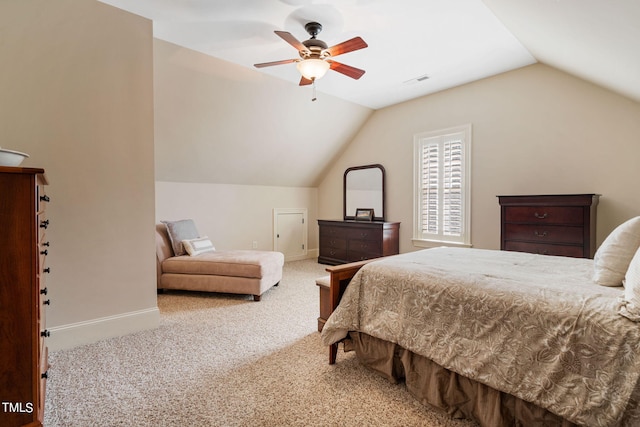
(11, 158)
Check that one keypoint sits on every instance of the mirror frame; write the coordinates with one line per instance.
(380, 217)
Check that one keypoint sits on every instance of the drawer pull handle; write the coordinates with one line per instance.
(47, 302)
(44, 224)
(44, 291)
(44, 198)
(543, 234)
(45, 375)
(45, 252)
(45, 244)
(543, 216)
(46, 270)
(45, 334)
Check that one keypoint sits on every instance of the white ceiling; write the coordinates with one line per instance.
(451, 41)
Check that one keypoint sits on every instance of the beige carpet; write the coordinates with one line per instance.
(225, 360)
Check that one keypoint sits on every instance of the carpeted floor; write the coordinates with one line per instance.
(225, 360)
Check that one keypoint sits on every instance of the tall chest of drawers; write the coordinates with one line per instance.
(342, 242)
(23, 359)
(562, 225)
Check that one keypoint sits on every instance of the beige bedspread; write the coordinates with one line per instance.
(534, 326)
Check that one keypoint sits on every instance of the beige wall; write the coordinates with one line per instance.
(536, 130)
(77, 95)
(218, 122)
(234, 216)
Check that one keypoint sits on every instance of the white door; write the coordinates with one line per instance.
(290, 233)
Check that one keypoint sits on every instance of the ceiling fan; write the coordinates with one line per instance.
(315, 56)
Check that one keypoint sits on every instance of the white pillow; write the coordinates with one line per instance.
(198, 246)
(613, 257)
(631, 300)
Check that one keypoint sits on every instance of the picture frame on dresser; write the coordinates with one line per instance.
(364, 214)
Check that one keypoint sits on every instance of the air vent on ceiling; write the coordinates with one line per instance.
(417, 79)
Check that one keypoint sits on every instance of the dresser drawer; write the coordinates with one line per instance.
(42, 258)
(335, 253)
(371, 247)
(364, 234)
(544, 214)
(333, 242)
(43, 225)
(545, 249)
(331, 231)
(361, 256)
(544, 233)
(44, 374)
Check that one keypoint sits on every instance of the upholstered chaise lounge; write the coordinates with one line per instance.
(234, 271)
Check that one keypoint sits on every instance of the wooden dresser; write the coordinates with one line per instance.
(348, 241)
(23, 359)
(562, 225)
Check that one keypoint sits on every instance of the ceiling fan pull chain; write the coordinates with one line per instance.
(313, 82)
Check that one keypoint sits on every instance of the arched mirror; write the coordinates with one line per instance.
(364, 190)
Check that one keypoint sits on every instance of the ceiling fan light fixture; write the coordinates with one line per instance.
(313, 68)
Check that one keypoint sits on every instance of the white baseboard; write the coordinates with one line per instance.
(87, 332)
(311, 253)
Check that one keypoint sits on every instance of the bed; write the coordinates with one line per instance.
(504, 338)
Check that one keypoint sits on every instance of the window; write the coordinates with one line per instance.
(442, 186)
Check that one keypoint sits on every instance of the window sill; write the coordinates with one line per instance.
(422, 243)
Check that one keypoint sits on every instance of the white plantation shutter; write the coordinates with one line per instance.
(452, 188)
(442, 186)
(430, 183)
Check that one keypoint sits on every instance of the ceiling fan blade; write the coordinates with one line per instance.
(347, 70)
(305, 81)
(289, 38)
(270, 64)
(348, 46)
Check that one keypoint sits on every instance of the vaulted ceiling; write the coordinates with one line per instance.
(221, 120)
(416, 47)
